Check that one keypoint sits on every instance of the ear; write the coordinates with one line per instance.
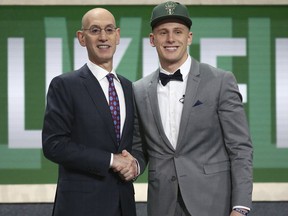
(151, 37)
(81, 38)
(190, 38)
(118, 36)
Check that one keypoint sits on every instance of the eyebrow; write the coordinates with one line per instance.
(109, 25)
(166, 29)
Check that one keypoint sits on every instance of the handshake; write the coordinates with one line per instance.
(125, 165)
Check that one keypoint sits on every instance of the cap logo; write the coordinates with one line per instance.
(170, 7)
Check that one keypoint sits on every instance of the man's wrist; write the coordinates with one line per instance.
(111, 160)
(137, 169)
(241, 211)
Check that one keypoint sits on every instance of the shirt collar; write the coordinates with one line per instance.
(99, 72)
(184, 68)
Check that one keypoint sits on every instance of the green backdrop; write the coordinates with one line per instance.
(27, 28)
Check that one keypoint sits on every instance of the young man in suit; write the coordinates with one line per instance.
(84, 131)
(191, 128)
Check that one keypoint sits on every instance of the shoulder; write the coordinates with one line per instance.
(210, 72)
(145, 81)
(71, 77)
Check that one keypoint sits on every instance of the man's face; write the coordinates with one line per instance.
(171, 40)
(102, 38)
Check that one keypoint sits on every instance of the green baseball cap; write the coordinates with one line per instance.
(170, 10)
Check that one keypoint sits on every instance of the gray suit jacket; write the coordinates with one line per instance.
(212, 163)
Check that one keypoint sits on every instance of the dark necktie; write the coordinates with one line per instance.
(164, 78)
(114, 106)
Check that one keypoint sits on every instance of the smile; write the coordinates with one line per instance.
(103, 46)
(171, 48)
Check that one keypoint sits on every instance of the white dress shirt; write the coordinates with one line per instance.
(170, 99)
(100, 75)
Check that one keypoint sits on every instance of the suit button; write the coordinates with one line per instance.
(174, 178)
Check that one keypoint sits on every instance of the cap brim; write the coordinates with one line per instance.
(185, 20)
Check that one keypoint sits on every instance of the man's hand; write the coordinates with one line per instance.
(129, 172)
(125, 164)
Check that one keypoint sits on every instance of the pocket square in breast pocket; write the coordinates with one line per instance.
(197, 103)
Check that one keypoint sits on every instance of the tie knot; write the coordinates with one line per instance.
(164, 78)
(110, 77)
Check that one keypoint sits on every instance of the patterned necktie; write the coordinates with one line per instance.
(114, 106)
(166, 78)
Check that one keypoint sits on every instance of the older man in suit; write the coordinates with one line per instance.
(191, 128)
(88, 124)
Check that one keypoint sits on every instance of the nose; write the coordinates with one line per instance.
(170, 37)
(102, 35)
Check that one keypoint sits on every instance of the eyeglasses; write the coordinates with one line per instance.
(94, 30)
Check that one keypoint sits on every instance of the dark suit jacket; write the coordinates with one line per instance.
(78, 134)
(212, 163)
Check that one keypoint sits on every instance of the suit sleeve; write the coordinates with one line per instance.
(58, 146)
(237, 140)
(139, 146)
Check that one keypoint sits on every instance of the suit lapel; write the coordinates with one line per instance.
(127, 89)
(190, 93)
(97, 95)
(153, 101)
